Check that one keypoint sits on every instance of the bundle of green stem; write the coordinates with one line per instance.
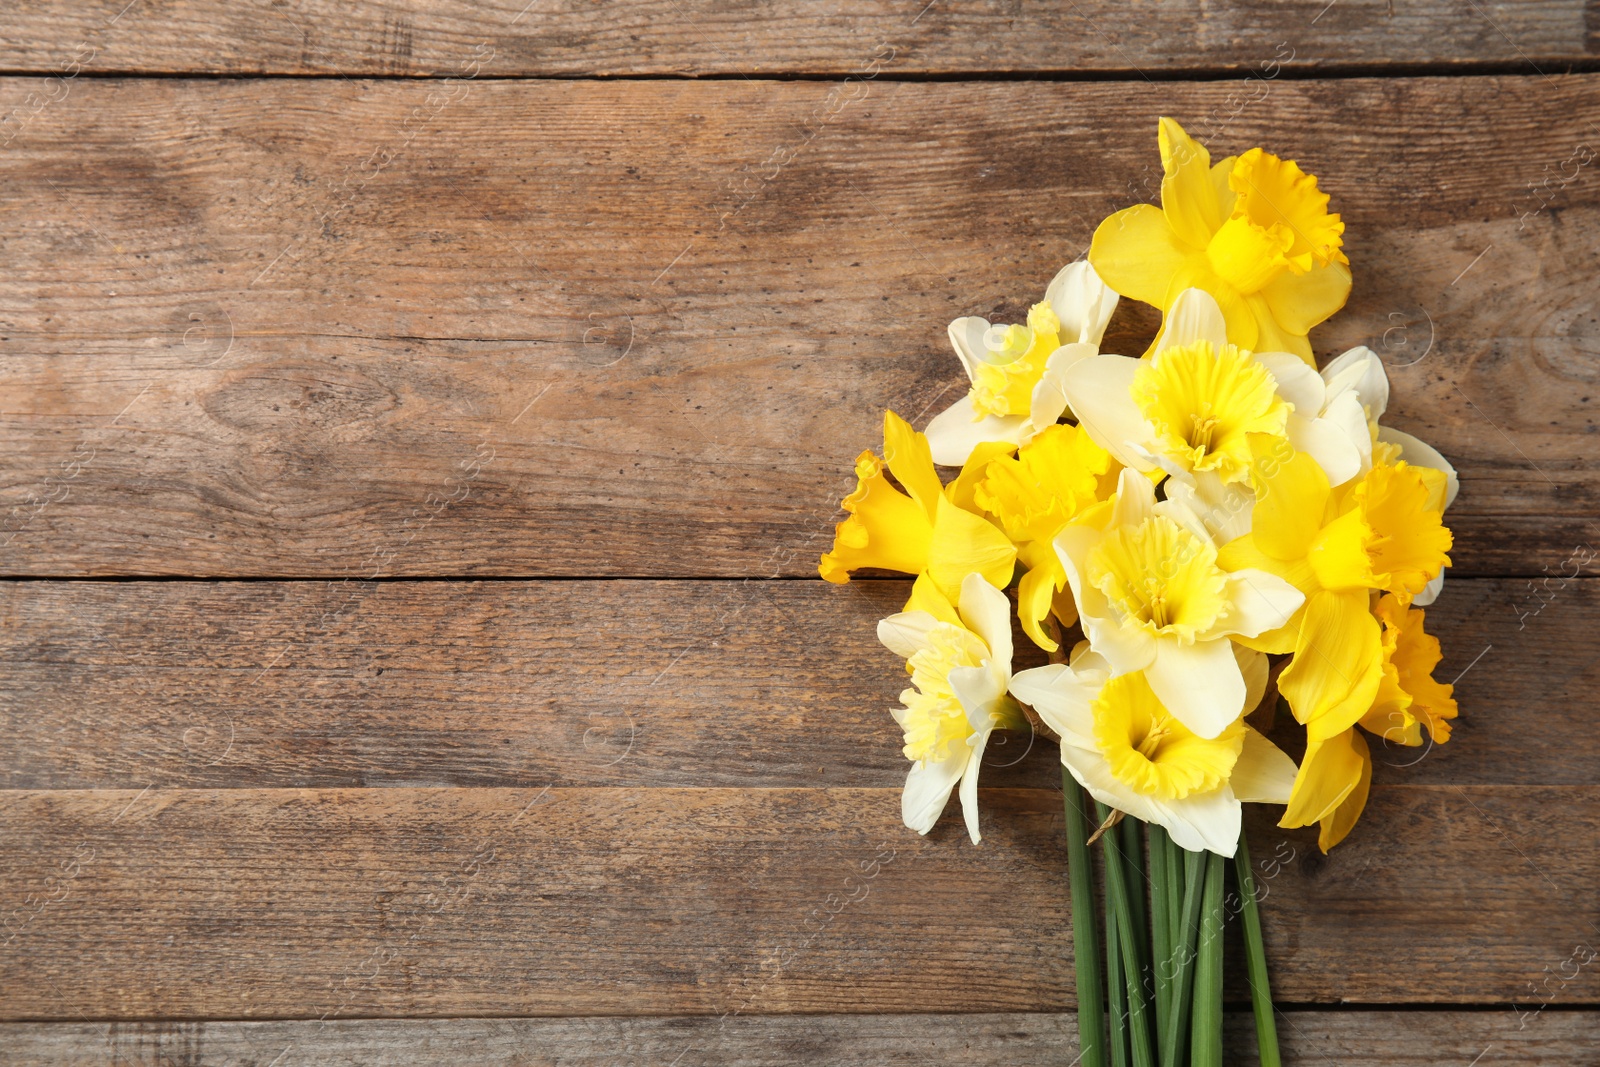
(1157, 1000)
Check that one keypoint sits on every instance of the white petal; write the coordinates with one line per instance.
(1180, 507)
(1258, 602)
(987, 613)
(1062, 697)
(1360, 370)
(1085, 659)
(906, 634)
(978, 689)
(1097, 391)
(969, 786)
(1136, 500)
(1328, 444)
(1225, 508)
(1431, 591)
(928, 789)
(958, 429)
(1298, 383)
(1204, 822)
(1421, 454)
(1049, 400)
(1127, 648)
(1091, 771)
(1194, 316)
(1254, 668)
(1345, 412)
(966, 337)
(1199, 683)
(1081, 301)
(1264, 774)
(1072, 546)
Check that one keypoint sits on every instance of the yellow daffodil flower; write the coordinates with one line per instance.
(1016, 370)
(1152, 597)
(923, 530)
(1050, 481)
(959, 659)
(1125, 745)
(1379, 532)
(1253, 231)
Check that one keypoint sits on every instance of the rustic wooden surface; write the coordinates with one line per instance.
(328, 313)
(811, 37)
(580, 328)
(1395, 1039)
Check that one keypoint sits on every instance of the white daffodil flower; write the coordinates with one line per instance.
(1188, 407)
(1016, 371)
(1152, 598)
(1125, 746)
(959, 658)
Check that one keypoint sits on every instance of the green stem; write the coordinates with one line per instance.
(1256, 960)
(1085, 940)
(1161, 893)
(1206, 1041)
(1175, 886)
(1133, 864)
(1119, 906)
(1117, 989)
(1183, 959)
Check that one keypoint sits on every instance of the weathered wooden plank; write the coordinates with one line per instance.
(758, 684)
(1384, 1039)
(338, 328)
(418, 902)
(568, 37)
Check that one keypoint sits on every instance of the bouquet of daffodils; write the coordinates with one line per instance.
(1183, 532)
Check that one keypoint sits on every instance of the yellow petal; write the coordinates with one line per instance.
(1412, 655)
(963, 491)
(1302, 301)
(1053, 477)
(1337, 666)
(1036, 592)
(1246, 256)
(925, 596)
(1330, 772)
(1341, 554)
(1271, 336)
(911, 462)
(1137, 254)
(885, 528)
(1188, 197)
(963, 543)
(1291, 496)
(1221, 181)
(1337, 825)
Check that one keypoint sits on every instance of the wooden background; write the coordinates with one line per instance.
(419, 423)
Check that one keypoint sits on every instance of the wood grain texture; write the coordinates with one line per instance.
(1341, 1038)
(176, 904)
(573, 683)
(687, 37)
(341, 328)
